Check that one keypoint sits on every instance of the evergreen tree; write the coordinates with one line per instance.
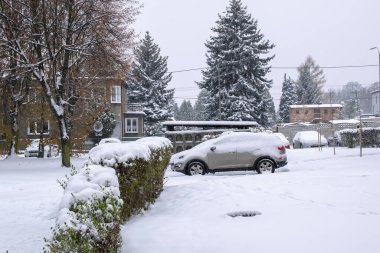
(175, 111)
(310, 82)
(270, 116)
(288, 97)
(148, 83)
(237, 66)
(186, 111)
(200, 112)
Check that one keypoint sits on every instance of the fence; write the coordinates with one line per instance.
(326, 129)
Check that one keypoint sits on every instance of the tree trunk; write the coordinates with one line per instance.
(66, 152)
(13, 148)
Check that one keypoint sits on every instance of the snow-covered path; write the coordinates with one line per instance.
(29, 197)
(318, 203)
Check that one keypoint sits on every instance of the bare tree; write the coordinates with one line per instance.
(67, 43)
(14, 80)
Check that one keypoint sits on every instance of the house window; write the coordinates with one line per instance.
(116, 94)
(34, 127)
(131, 125)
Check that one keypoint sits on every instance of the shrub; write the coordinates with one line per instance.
(141, 181)
(370, 137)
(90, 211)
(119, 180)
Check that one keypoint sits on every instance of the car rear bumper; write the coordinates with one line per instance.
(281, 164)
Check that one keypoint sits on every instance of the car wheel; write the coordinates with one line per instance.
(195, 168)
(265, 165)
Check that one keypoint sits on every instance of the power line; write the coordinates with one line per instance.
(285, 67)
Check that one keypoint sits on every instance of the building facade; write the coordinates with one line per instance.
(36, 116)
(314, 113)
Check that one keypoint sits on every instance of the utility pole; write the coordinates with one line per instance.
(360, 125)
(378, 51)
(220, 103)
(332, 125)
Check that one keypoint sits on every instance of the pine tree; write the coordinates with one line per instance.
(270, 116)
(237, 66)
(200, 112)
(186, 111)
(148, 83)
(310, 82)
(175, 110)
(288, 97)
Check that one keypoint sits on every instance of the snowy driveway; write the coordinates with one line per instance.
(317, 203)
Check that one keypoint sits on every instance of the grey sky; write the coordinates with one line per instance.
(333, 32)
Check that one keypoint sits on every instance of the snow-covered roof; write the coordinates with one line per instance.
(345, 121)
(210, 123)
(316, 106)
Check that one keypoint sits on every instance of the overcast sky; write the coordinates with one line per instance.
(333, 32)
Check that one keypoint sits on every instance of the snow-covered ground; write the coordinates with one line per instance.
(29, 198)
(317, 203)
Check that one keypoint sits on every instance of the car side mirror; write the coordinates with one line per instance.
(213, 148)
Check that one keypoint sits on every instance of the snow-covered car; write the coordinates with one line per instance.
(337, 138)
(308, 139)
(109, 140)
(49, 150)
(283, 139)
(235, 151)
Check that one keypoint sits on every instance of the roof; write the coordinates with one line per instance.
(316, 106)
(210, 123)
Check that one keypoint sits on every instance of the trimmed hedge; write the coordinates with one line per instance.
(92, 224)
(370, 137)
(141, 181)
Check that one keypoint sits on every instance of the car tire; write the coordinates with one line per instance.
(264, 165)
(195, 168)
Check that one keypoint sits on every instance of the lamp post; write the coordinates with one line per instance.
(378, 51)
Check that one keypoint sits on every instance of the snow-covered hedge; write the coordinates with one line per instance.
(117, 181)
(370, 137)
(140, 167)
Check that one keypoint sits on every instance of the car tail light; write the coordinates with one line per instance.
(281, 149)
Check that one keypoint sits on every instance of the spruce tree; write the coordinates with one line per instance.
(310, 82)
(237, 67)
(200, 112)
(288, 97)
(186, 111)
(147, 84)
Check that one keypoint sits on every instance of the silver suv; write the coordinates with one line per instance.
(234, 151)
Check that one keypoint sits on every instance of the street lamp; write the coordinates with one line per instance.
(378, 51)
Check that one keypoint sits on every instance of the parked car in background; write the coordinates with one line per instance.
(109, 140)
(49, 150)
(308, 139)
(283, 139)
(337, 138)
(235, 151)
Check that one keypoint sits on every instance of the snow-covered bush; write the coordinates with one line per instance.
(140, 168)
(370, 137)
(120, 179)
(89, 213)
